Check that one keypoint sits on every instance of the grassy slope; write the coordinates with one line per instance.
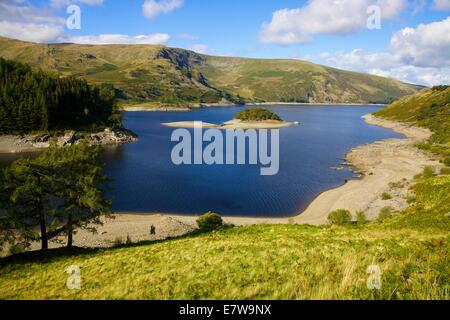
(429, 108)
(260, 262)
(300, 81)
(147, 73)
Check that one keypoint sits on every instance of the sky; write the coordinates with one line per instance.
(404, 39)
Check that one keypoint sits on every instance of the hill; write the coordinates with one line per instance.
(158, 74)
(429, 108)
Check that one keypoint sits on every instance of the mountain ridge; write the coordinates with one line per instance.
(173, 76)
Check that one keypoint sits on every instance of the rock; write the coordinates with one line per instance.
(108, 137)
(68, 138)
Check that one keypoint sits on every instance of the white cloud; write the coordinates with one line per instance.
(417, 55)
(153, 8)
(156, 38)
(335, 17)
(428, 45)
(201, 48)
(61, 3)
(31, 31)
(20, 20)
(442, 4)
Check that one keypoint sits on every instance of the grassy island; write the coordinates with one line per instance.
(257, 115)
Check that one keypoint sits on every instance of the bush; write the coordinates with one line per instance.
(361, 218)
(385, 214)
(256, 115)
(16, 249)
(209, 221)
(445, 171)
(386, 196)
(428, 172)
(447, 161)
(340, 217)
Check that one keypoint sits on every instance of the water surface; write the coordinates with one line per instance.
(145, 180)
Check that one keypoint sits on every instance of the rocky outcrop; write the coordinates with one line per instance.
(67, 138)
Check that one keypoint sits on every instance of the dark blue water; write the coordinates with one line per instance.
(145, 180)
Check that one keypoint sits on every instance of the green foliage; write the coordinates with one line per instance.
(39, 101)
(59, 191)
(429, 108)
(447, 161)
(340, 217)
(440, 88)
(385, 213)
(257, 115)
(386, 196)
(361, 218)
(428, 172)
(445, 171)
(209, 221)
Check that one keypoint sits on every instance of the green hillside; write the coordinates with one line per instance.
(257, 262)
(146, 73)
(429, 108)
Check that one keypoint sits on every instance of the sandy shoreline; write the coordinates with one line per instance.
(383, 162)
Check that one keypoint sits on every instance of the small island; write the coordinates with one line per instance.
(248, 119)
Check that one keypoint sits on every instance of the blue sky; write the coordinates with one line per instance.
(331, 32)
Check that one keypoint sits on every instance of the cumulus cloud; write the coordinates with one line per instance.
(442, 4)
(417, 55)
(428, 45)
(23, 21)
(201, 48)
(335, 17)
(156, 38)
(60, 3)
(20, 20)
(31, 31)
(153, 8)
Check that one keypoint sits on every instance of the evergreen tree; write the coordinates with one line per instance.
(56, 193)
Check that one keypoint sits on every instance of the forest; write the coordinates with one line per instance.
(40, 101)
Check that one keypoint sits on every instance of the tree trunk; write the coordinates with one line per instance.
(69, 231)
(44, 238)
(42, 222)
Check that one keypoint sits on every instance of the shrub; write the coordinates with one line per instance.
(428, 172)
(118, 241)
(445, 171)
(447, 161)
(340, 217)
(256, 115)
(209, 221)
(361, 218)
(386, 196)
(385, 214)
(16, 249)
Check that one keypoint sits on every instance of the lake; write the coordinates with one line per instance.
(145, 180)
